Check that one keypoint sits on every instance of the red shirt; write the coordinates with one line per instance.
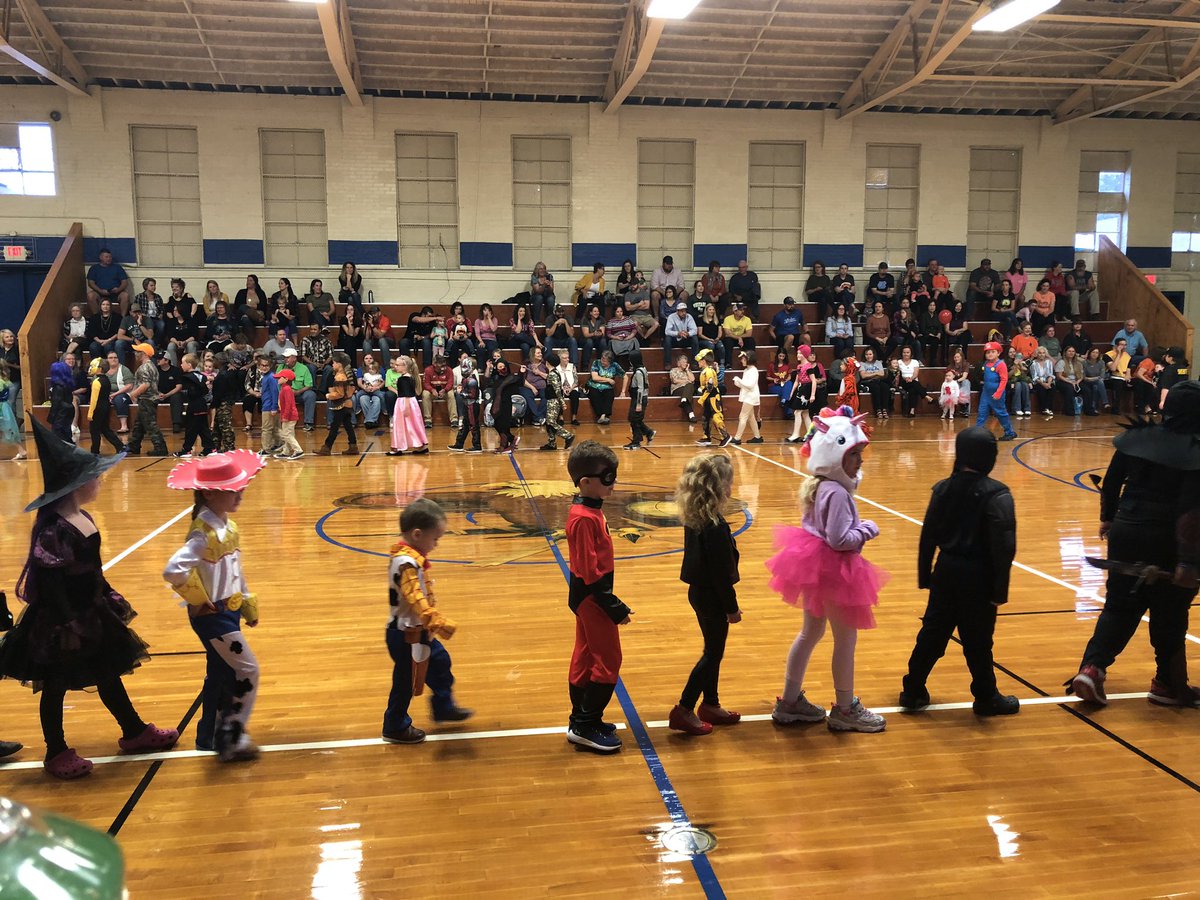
(287, 403)
(589, 544)
(435, 381)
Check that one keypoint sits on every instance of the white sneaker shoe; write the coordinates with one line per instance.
(800, 711)
(856, 718)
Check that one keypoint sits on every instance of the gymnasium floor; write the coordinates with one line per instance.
(1057, 801)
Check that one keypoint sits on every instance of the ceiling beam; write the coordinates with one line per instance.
(928, 67)
(884, 56)
(645, 35)
(58, 64)
(1134, 21)
(1052, 79)
(339, 44)
(1099, 109)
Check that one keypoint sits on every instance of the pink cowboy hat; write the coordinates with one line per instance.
(230, 471)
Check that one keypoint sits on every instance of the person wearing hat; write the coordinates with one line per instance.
(207, 573)
(99, 411)
(145, 394)
(289, 447)
(302, 384)
(971, 524)
(710, 401)
(1150, 514)
(992, 390)
(74, 633)
(787, 326)
(681, 331)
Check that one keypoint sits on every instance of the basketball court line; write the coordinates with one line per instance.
(147, 539)
(552, 731)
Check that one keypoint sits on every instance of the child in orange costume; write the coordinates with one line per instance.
(848, 396)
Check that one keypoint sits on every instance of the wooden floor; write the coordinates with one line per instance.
(1058, 801)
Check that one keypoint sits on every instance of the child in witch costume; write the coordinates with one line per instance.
(469, 412)
(207, 573)
(596, 659)
(74, 632)
(991, 392)
(414, 626)
(972, 526)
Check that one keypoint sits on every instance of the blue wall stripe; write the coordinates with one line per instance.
(485, 253)
(124, 250)
(727, 255)
(585, 255)
(833, 255)
(700, 861)
(953, 256)
(364, 253)
(233, 251)
(1150, 257)
(1039, 256)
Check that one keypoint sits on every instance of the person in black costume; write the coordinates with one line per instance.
(1150, 513)
(100, 409)
(508, 383)
(972, 525)
(196, 390)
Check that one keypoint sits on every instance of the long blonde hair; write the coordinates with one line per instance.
(808, 493)
(703, 489)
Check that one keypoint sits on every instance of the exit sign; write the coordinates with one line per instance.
(15, 253)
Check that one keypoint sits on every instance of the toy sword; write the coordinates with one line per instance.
(1143, 573)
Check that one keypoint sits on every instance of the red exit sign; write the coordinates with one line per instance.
(15, 253)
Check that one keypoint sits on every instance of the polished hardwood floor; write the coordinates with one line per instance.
(1060, 800)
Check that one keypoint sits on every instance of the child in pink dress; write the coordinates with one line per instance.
(950, 396)
(408, 426)
(820, 566)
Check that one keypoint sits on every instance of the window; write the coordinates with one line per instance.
(166, 196)
(1185, 235)
(427, 200)
(893, 183)
(295, 223)
(666, 200)
(993, 205)
(27, 160)
(1103, 199)
(541, 202)
(776, 205)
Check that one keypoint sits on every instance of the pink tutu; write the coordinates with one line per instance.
(841, 584)
(408, 428)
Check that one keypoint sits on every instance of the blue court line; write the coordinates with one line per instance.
(1076, 483)
(1078, 479)
(679, 817)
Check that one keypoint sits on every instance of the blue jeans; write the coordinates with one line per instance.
(408, 346)
(563, 343)
(369, 404)
(438, 678)
(1022, 402)
(1094, 396)
(307, 398)
(121, 404)
(672, 341)
(988, 404)
(541, 304)
(537, 405)
(523, 342)
(596, 345)
(385, 349)
(716, 347)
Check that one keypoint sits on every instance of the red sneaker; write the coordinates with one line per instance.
(685, 720)
(1088, 685)
(715, 715)
(1162, 695)
(150, 739)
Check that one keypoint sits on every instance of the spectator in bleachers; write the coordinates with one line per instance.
(485, 333)
(930, 272)
(377, 334)
(916, 292)
(787, 326)
(911, 389)
(460, 339)
(683, 385)
(818, 289)
(738, 329)
(872, 375)
(1094, 371)
(697, 301)
(881, 288)
(1050, 341)
(957, 331)
(1145, 386)
(589, 289)
(181, 330)
(220, 328)
(1004, 308)
(839, 330)
(350, 333)
(593, 330)
(541, 291)
(239, 353)
(418, 335)
(316, 352)
(664, 276)
(103, 329)
(712, 335)
(1068, 375)
(107, 280)
(277, 344)
(625, 278)
(930, 328)
(120, 379)
(534, 387)
(939, 289)
(905, 333)
(1135, 342)
(681, 332)
(962, 374)
(641, 310)
(250, 305)
(211, 297)
(1118, 361)
(779, 373)
(1019, 280)
(523, 335)
(1078, 339)
(878, 329)
(438, 387)
(1058, 286)
(134, 329)
(568, 376)
(10, 353)
(1041, 373)
(560, 333)
(637, 291)
(368, 399)
(1081, 289)
(75, 331)
(350, 286)
(906, 279)
(170, 390)
(1025, 341)
(842, 287)
(982, 284)
(606, 372)
(1018, 383)
(284, 309)
(319, 304)
(713, 285)
(745, 289)
(151, 306)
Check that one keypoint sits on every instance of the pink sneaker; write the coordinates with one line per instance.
(1088, 685)
(150, 739)
(68, 765)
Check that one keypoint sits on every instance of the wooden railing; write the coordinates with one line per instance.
(42, 329)
(1131, 296)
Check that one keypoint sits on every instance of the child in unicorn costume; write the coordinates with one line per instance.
(820, 566)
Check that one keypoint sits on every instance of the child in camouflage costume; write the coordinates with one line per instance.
(554, 408)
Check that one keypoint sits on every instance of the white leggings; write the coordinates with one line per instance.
(844, 639)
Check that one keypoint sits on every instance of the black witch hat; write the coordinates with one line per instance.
(64, 466)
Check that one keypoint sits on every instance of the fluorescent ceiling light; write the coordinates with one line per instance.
(1011, 13)
(314, 2)
(671, 9)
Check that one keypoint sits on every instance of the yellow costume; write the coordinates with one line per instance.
(710, 404)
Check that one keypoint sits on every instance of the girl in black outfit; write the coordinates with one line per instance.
(350, 286)
(710, 569)
(284, 309)
(350, 334)
(508, 384)
(819, 290)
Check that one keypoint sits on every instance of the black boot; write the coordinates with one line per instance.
(595, 700)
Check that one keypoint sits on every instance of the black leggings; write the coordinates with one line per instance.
(99, 428)
(342, 418)
(881, 394)
(976, 623)
(602, 402)
(112, 695)
(707, 671)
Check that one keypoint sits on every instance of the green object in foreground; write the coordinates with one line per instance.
(45, 857)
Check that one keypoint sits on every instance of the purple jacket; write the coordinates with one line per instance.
(834, 519)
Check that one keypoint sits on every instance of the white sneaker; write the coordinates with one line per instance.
(800, 711)
(856, 718)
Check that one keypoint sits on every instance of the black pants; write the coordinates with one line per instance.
(342, 418)
(637, 420)
(881, 394)
(1045, 397)
(602, 402)
(707, 671)
(112, 695)
(196, 426)
(99, 428)
(468, 424)
(911, 393)
(976, 623)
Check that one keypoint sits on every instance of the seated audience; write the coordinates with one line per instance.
(106, 280)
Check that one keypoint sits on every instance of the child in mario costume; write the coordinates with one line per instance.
(207, 572)
(991, 393)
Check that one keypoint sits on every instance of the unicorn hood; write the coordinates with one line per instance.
(835, 432)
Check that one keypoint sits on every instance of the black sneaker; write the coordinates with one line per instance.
(726, 441)
(650, 433)
(575, 423)
(632, 446)
(548, 446)
(454, 713)
(181, 454)
(410, 735)
(308, 427)
(914, 701)
(569, 440)
(998, 705)
(756, 440)
(456, 448)
(734, 441)
(474, 449)
(163, 452)
(591, 738)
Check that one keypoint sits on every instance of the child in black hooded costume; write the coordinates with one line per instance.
(972, 524)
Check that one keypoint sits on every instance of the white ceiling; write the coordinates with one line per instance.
(1089, 57)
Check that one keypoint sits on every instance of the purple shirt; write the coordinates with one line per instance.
(834, 519)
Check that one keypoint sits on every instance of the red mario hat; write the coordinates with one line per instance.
(230, 471)
(993, 345)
